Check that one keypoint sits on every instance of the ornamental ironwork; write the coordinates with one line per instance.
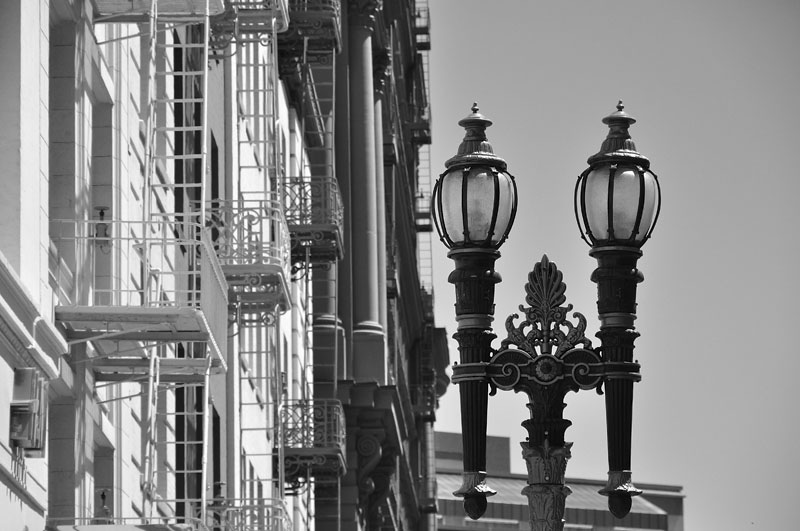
(315, 215)
(317, 23)
(550, 347)
(314, 439)
(251, 239)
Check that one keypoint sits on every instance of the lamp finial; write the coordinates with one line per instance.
(476, 148)
(618, 145)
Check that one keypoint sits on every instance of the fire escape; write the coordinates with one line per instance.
(424, 391)
(253, 246)
(315, 424)
(149, 298)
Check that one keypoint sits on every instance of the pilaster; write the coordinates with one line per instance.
(369, 343)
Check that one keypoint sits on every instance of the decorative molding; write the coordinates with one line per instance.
(370, 451)
(364, 13)
(33, 329)
(546, 503)
(23, 350)
(546, 463)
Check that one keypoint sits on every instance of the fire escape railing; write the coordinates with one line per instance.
(315, 215)
(252, 243)
(314, 438)
(250, 232)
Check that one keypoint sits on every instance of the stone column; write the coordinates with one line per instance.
(368, 334)
(341, 139)
(382, 67)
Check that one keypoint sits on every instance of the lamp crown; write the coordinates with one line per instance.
(618, 145)
(476, 148)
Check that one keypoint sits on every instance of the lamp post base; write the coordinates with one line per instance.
(546, 491)
(546, 504)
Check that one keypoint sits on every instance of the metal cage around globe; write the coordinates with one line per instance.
(618, 197)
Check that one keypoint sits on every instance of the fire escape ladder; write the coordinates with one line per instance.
(261, 395)
(177, 121)
(422, 214)
(177, 439)
(252, 235)
(313, 202)
(260, 139)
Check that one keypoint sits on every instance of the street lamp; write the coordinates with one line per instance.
(474, 204)
(546, 355)
(617, 203)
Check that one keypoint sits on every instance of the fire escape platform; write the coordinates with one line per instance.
(314, 438)
(127, 527)
(257, 285)
(139, 10)
(170, 370)
(317, 22)
(255, 16)
(323, 242)
(135, 323)
(329, 453)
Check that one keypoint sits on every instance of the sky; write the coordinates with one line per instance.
(715, 88)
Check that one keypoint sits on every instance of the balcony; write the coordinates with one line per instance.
(319, 21)
(314, 438)
(221, 515)
(315, 215)
(140, 281)
(423, 397)
(252, 243)
(256, 16)
(139, 10)
(267, 514)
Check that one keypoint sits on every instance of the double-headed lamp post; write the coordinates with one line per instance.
(617, 201)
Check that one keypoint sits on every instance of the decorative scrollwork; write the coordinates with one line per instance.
(248, 232)
(546, 326)
(586, 367)
(510, 363)
(550, 348)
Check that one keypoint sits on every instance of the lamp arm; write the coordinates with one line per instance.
(617, 277)
(474, 279)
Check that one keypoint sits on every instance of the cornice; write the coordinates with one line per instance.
(32, 341)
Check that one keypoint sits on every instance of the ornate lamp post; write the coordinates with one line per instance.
(617, 200)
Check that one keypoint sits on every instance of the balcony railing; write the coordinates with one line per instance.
(252, 242)
(107, 522)
(315, 214)
(139, 280)
(249, 515)
(314, 437)
(319, 21)
(221, 515)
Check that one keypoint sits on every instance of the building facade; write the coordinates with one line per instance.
(215, 294)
